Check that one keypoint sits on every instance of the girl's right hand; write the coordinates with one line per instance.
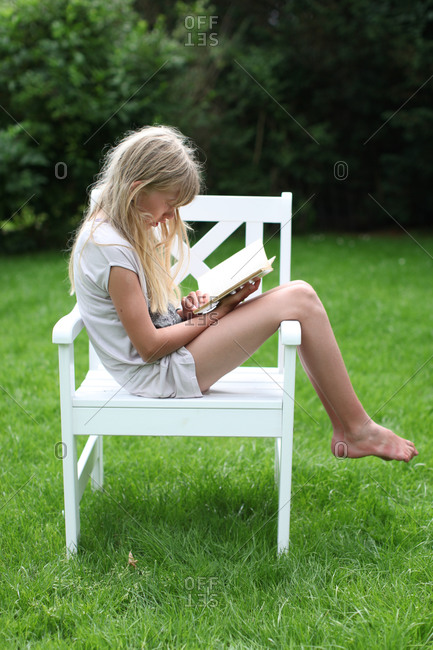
(191, 302)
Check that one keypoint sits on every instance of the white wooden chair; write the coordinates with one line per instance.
(248, 402)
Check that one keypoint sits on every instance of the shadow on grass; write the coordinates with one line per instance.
(333, 511)
(171, 519)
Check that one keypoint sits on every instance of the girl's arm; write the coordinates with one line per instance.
(150, 342)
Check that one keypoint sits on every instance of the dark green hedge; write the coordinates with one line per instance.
(331, 100)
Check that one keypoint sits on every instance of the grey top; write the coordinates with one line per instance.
(96, 254)
(164, 320)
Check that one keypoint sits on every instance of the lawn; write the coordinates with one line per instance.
(199, 515)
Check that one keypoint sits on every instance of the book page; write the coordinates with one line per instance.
(248, 263)
(234, 269)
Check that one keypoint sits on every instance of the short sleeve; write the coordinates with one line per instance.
(102, 258)
(102, 250)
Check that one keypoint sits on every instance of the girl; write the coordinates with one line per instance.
(120, 271)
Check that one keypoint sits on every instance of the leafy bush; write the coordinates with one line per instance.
(332, 101)
(76, 74)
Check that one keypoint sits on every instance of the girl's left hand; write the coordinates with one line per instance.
(191, 302)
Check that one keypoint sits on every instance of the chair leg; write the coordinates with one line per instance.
(286, 449)
(72, 500)
(285, 493)
(277, 460)
(97, 474)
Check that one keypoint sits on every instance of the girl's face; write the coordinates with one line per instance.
(159, 205)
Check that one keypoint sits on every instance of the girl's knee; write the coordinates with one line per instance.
(304, 295)
(303, 288)
(296, 300)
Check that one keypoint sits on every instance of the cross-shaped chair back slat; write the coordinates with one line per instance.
(229, 213)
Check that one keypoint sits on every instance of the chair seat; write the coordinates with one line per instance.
(244, 396)
(243, 388)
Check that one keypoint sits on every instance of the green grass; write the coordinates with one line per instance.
(199, 515)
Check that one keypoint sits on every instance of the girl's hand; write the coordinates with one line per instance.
(231, 301)
(191, 302)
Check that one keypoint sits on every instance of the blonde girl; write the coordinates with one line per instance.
(147, 336)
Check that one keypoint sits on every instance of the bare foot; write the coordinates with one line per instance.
(372, 440)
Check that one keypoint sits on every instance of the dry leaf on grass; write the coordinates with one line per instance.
(131, 560)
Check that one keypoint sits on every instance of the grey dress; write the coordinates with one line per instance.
(173, 375)
(164, 320)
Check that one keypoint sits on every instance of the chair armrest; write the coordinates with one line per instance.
(290, 332)
(68, 327)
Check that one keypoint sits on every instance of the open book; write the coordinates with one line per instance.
(244, 266)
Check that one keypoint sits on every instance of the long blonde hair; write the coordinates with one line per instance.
(161, 158)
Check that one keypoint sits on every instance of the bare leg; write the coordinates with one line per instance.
(226, 345)
(336, 424)
(337, 427)
(339, 445)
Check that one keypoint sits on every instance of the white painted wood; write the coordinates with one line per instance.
(253, 232)
(286, 238)
(290, 332)
(69, 446)
(268, 209)
(277, 460)
(94, 361)
(67, 328)
(248, 402)
(243, 388)
(97, 474)
(203, 248)
(178, 423)
(86, 463)
(285, 256)
(286, 450)
(208, 207)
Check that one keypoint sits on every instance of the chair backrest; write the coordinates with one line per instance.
(229, 213)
